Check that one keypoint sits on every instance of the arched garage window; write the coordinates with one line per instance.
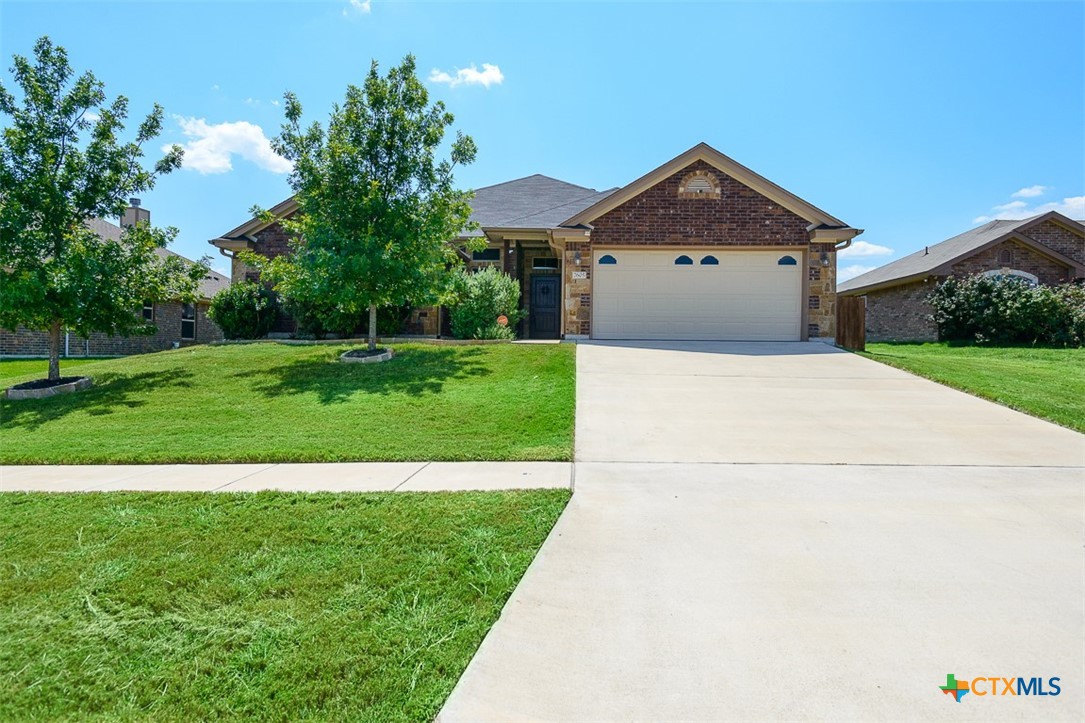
(683, 260)
(1030, 279)
(710, 261)
(607, 259)
(787, 261)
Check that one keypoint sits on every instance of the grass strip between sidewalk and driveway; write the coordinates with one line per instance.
(278, 606)
(1044, 382)
(285, 403)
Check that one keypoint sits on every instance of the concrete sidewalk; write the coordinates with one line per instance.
(329, 477)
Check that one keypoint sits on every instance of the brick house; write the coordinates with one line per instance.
(1045, 249)
(177, 324)
(699, 248)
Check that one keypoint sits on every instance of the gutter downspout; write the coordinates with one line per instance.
(67, 339)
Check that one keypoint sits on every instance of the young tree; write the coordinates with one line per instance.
(59, 168)
(377, 212)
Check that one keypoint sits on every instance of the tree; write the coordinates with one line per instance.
(60, 166)
(376, 211)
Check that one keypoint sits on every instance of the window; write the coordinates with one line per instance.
(1026, 277)
(542, 263)
(148, 311)
(710, 261)
(683, 260)
(607, 260)
(188, 321)
(787, 261)
(486, 255)
(1005, 257)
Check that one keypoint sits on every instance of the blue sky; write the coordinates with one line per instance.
(910, 120)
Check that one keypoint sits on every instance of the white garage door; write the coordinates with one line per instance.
(705, 294)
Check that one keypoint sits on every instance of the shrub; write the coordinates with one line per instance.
(478, 299)
(246, 310)
(1007, 310)
(317, 322)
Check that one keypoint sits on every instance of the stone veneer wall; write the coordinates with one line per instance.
(901, 313)
(577, 290)
(821, 301)
(24, 342)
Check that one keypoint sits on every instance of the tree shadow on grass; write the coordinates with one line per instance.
(413, 372)
(110, 393)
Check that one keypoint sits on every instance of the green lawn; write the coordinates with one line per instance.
(269, 606)
(18, 370)
(1046, 383)
(278, 403)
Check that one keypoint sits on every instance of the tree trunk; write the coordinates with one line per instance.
(54, 349)
(372, 327)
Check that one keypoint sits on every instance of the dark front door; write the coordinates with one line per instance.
(544, 307)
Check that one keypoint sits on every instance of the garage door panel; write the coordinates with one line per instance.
(747, 295)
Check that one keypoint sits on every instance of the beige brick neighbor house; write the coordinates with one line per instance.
(1045, 249)
(176, 324)
(700, 248)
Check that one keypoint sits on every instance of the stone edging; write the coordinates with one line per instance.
(78, 385)
(385, 355)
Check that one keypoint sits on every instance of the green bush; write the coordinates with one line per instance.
(478, 299)
(245, 310)
(1008, 310)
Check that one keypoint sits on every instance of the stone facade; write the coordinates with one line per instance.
(821, 299)
(577, 283)
(901, 313)
(1016, 256)
(167, 319)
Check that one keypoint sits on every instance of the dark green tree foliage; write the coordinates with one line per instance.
(478, 299)
(377, 211)
(246, 310)
(59, 168)
(1008, 310)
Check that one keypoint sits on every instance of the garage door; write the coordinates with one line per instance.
(697, 294)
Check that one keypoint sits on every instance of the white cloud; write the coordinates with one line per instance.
(1072, 206)
(215, 86)
(489, 75)
(358, 7)
(275, 103)
(1031, 192)
(850, 272)
(212, 146)
(863, 249)
(91, 116)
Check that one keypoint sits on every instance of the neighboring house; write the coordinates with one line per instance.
(178, 324)
(700, 248)
(1044, 249)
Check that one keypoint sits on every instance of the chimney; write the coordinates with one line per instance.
(134, 214)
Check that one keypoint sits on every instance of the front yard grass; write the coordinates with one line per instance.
(269, 606)
(1046, 383)
(285, 403)
(13, 371)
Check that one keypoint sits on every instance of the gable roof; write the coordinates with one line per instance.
(734, 169)
(936, 259)
(213, 283)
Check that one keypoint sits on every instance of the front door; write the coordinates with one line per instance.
(543, 320)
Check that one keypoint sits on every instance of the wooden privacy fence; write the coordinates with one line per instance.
(851, 322)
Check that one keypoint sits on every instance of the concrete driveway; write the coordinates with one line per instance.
(785, 531)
